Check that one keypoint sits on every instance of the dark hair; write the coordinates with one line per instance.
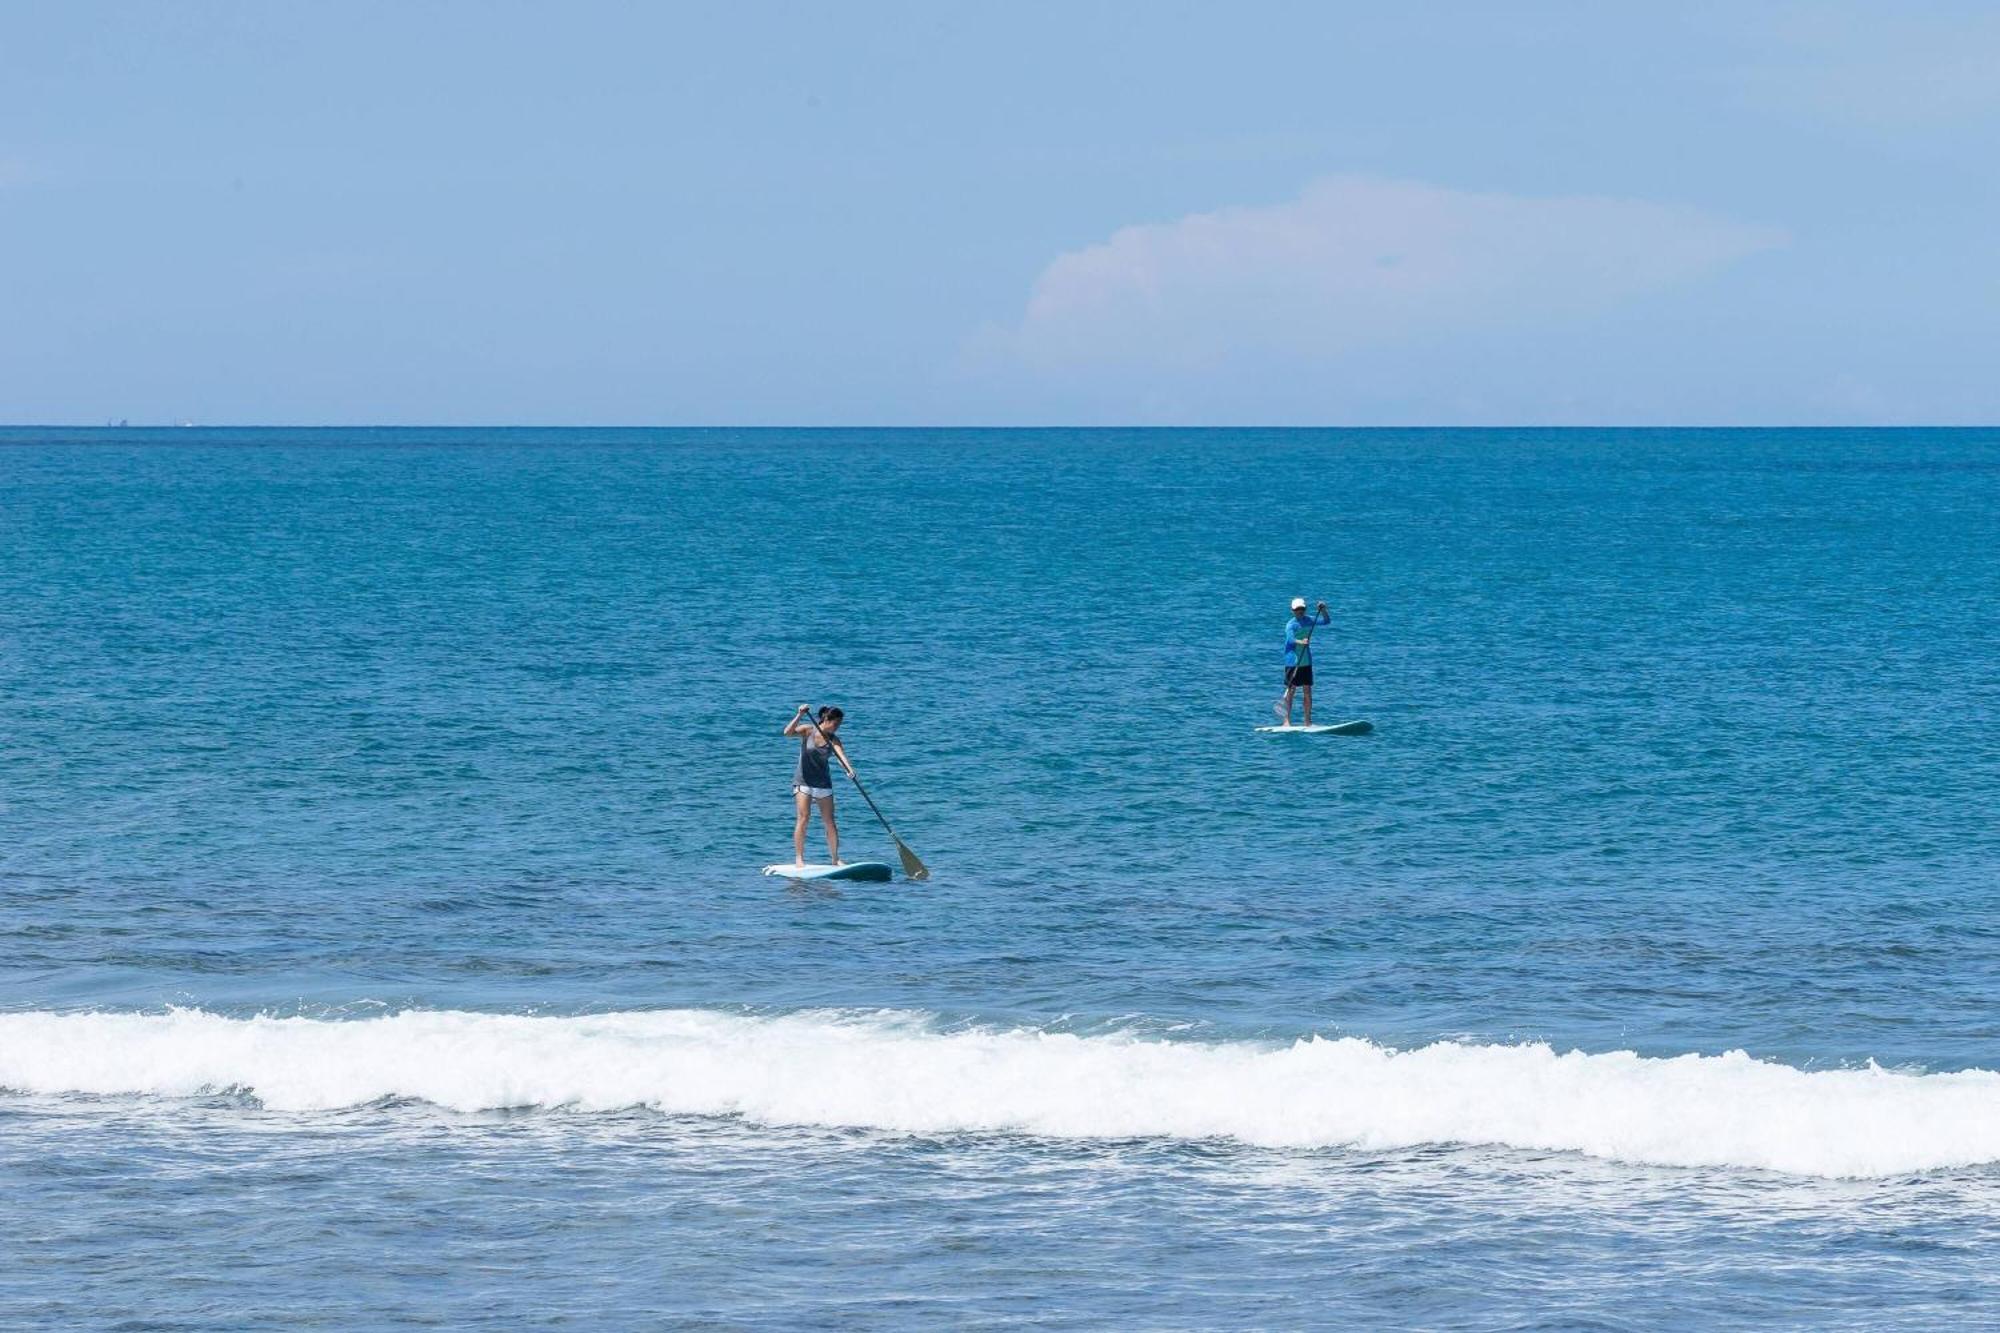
(830, 714)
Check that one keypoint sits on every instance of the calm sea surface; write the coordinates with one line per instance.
(382, 938)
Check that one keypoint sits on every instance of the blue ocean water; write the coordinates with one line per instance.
(381, 934)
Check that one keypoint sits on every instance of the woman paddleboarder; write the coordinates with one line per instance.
(812, 783)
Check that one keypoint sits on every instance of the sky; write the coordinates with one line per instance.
(1146, 213)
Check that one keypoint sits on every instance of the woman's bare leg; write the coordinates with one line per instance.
(825, 804)
(804, 807)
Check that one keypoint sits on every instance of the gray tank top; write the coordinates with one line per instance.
(814, 771)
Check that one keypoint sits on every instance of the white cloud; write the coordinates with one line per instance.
(1355, 263)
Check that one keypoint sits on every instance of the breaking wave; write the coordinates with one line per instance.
(898, 1072)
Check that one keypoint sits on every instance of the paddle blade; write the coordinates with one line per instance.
(912, 867)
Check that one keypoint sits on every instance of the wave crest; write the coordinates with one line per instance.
(894, 1072)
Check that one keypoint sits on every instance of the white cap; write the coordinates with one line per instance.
(1298, 603)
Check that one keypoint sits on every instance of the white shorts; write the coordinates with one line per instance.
(817, 793)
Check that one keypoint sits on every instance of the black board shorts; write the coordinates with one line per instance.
(1300, 675)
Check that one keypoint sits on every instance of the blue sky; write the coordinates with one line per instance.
(1013, 214)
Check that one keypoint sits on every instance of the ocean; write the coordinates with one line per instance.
(383, 943)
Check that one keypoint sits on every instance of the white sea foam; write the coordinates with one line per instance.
(894, 1072)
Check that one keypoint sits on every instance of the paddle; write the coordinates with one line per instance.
(912, 867)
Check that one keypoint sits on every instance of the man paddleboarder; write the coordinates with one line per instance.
(1298, 659)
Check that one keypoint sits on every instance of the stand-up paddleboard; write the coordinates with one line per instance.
(1355, 728)
(876, 870)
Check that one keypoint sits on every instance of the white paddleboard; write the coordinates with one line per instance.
(1355, 728)
(852, 870)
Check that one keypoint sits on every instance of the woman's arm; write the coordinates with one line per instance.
(840, 753)
(793, 728)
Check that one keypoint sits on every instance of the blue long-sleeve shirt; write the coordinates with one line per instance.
(1298, 652)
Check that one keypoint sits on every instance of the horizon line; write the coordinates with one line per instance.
(974, 426)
